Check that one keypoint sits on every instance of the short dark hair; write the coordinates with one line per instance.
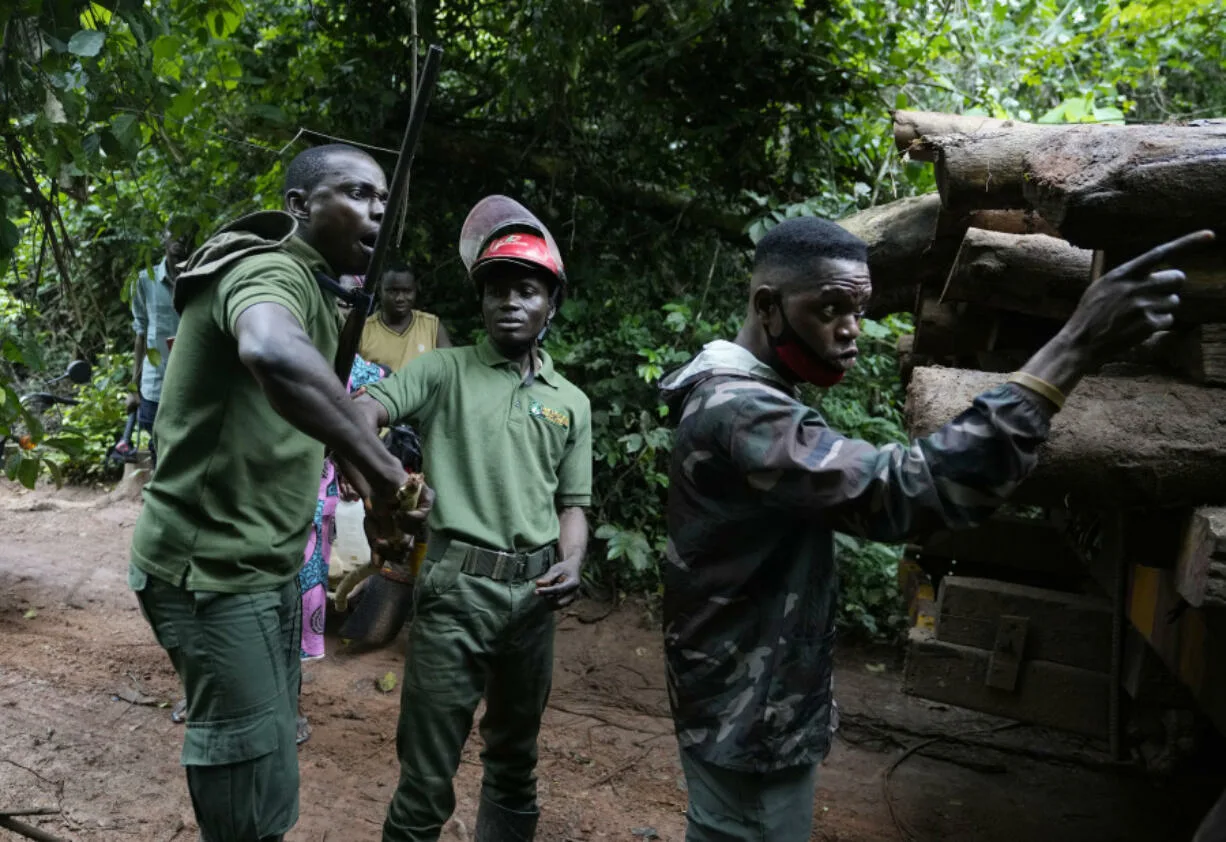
(794, 245)
(309, 165)
(399, 267)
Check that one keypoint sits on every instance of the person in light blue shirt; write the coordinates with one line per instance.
(154, 321)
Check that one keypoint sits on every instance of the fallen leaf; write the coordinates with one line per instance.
(387, 683)
(645, 832)
(641, 652)
(875, 668)
(31, 614)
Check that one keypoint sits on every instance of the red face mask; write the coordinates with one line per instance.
(801, 361)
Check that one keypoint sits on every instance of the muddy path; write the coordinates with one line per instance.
(84, 730)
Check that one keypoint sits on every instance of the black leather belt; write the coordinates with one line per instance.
(501, 566)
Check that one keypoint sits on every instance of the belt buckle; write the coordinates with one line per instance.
(507, 561)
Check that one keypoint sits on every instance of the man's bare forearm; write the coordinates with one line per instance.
(302, 387)
(572, 534)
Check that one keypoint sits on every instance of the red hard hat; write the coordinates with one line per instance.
(501, 230)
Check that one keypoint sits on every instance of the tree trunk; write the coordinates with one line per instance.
(1034, 274)
(914, 130)
(1118, 441)
(1128, 186)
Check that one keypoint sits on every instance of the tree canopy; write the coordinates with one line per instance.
(657, 139)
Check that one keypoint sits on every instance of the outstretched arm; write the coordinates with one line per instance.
(960, 474)
(302, 387)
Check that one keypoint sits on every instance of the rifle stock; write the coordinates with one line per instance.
(351, 332)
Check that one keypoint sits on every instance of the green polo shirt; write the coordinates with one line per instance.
(231, 501)
(502, 456)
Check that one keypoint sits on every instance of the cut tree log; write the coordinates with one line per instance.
(1197, 353)
(1125, 186)
(1033, 274)
(1202, 357)
(1046, 277)
(1013, 221)
(1121, 442)
(985, 170)
(914, 130)
(1200, 572)
(1203, 296)
(898, 236)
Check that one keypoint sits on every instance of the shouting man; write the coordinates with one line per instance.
(248, 403)
(759, 483)
(508, 449)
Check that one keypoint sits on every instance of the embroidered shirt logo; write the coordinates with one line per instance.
(552, 416)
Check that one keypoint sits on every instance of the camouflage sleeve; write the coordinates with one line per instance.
(955, 477)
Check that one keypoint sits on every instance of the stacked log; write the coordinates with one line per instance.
(1029, 216)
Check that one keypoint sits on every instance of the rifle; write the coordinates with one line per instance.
(364, 301)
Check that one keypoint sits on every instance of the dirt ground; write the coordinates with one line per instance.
(82, 732)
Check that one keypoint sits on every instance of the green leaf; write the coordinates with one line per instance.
(72, 446)
(87, 42)
(124, 127)
(606, 531)
(387, 683)
(30, 615)
(27, 471)
(166, 48)
(182, 105)
(9, 239)
(155, 357)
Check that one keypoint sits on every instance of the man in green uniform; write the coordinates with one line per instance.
(248, 403)
(508, 450)
(759, 483)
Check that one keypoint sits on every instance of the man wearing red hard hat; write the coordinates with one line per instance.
(508, 451)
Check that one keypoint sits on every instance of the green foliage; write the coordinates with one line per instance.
(98, 420)
(658, 140)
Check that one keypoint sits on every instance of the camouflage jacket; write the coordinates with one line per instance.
(757, 487)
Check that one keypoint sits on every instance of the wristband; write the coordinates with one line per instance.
(1042, 387)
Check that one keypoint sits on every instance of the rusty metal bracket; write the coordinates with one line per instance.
(1007, 653)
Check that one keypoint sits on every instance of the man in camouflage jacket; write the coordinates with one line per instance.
(759, 484)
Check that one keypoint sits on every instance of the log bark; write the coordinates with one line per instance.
(1204, 360)
(1005, 221)
(1200, 571)
(985, 170)
(899, 236)
(914, 130)
(1197, 353)
(1046, 277)
(1203, 294)
(1129, 186)
(1036, 274)
(1122, 442)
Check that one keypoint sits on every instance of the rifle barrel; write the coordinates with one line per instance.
(351, 333)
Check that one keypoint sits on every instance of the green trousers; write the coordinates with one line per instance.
(237, 656)
(470, 636)
(731, 806)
